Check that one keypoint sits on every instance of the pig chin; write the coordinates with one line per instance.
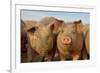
(43, 50)
(42, 53)
(67, 46)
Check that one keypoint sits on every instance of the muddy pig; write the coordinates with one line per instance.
(70, 41)
(42, 37)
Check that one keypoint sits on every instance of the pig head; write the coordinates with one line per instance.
(28, 54)
(42, 37)
(70, 41)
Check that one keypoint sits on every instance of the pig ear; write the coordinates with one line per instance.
(56, 25)
(78, 26)
(33, 29)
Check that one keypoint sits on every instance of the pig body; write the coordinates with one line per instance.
(70, 41)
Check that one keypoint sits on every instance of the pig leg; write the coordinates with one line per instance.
(76, 55)
(84, 54)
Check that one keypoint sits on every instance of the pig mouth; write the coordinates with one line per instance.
(43, 52)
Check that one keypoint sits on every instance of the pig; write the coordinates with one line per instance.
(28, 53)
(85, 50)
(70, 41)
(42, 37)
(87, 41)
(86, 32)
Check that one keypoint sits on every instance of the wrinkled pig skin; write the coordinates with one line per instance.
(70, 41)
(42, 38)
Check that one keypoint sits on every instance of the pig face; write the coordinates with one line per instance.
(41, 36)
(69, 40)
(40, 39)
(26, 25)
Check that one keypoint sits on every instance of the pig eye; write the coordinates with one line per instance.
(32, 30)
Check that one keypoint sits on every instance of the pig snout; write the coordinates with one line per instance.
(66, 40)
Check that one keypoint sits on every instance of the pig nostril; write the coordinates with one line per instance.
(66, 40)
